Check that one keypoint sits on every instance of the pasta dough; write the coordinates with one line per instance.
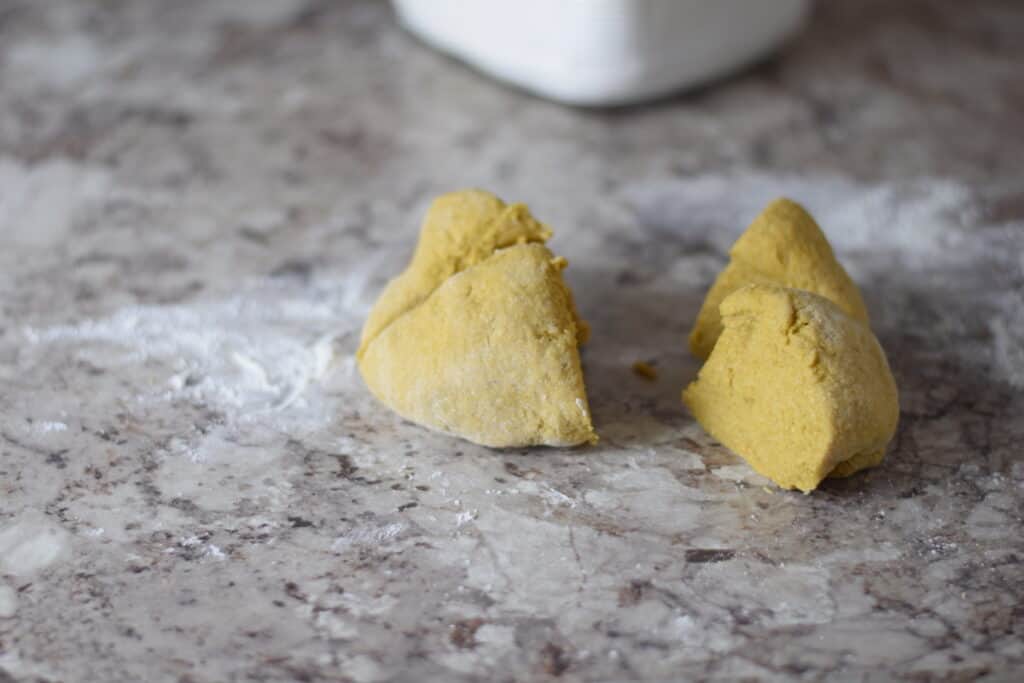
(783, 246)
(479, 336)
(797, 387)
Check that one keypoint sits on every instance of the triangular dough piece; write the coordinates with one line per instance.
(783, 246)
(796, 387)
(477, 340)
(490, 356)
(460, 229)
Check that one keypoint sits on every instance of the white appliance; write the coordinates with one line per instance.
(604, 52)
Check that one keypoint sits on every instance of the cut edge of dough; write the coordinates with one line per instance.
(582, 402)
(544, 234)
(802, 316)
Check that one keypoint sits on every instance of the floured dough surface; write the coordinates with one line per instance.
(479, 336)
(796, 386)
(783, 246)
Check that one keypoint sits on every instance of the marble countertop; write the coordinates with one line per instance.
(200, 200)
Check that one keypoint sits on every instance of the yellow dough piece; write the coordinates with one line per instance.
(479, 336)
(795, 386)
(783, 246)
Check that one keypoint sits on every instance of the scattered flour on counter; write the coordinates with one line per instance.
(925, 225)
(465, 517)
(922, 218)
(555, 497)
(214, 552)
(31, 543)
(368, 536)
(255, 353)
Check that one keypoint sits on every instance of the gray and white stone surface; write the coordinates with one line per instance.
(200, 200)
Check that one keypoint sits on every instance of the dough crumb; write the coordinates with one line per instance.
(645, 370)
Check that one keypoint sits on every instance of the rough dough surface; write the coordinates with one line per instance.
(797, 387)
(783, 246)
(479, 336)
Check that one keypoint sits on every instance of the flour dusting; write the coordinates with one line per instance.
(923, 218)
(937, 230)
(255, 353)
(368, 536)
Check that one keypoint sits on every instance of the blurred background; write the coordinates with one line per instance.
(200, 200)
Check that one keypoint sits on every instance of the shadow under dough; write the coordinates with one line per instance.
(635, 320)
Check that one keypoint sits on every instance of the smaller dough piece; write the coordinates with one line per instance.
(796, 387)
(783, 246)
